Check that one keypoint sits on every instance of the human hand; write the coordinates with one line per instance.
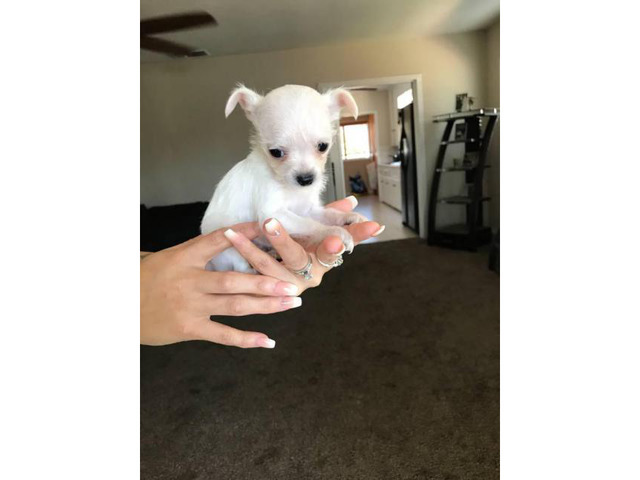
(353, 222)
(178, 296)
(294, 256)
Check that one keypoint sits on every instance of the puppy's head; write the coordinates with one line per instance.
(294, 128)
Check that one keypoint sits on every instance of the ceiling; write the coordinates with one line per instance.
(265, 25)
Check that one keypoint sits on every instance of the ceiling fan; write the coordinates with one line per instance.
(173, 23)
(363, 89)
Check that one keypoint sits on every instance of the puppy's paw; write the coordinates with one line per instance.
(230, 260)
(349, 218)
(243, 266)
(340, 232)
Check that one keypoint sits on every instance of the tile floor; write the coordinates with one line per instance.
(372, 208)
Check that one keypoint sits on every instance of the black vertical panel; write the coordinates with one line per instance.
(409, 170)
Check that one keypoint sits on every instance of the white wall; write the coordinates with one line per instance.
(378, 102)
(370, 102)
(187, 145)
(493, 100)
(396, 129)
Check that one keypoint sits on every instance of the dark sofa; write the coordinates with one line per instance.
(163, 227)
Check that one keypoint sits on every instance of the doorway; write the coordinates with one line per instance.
(380, 157)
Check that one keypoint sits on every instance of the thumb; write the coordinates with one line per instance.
(203, 248)
(345, 205)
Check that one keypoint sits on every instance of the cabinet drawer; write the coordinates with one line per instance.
(395, 194)
(390, 193)
(382, 189)
(392, 173)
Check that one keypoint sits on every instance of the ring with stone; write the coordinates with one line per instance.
(339, 261)
(306, 270)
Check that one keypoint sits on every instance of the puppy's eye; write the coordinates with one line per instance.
(276, 152)
(322, 147)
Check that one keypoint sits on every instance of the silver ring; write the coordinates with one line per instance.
(306, 271)
(339, 261)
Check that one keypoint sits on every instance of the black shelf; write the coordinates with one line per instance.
(460, 236)
(478, 112)
(458, 169)
(462, 200)
(460, 140)
(473, 232)
(456, 229)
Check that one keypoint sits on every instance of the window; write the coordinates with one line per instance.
(355, 141)
(404, 99)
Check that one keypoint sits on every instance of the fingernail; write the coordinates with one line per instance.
(267, 343)
(379, 231)
(353, 200)
(292, 302)
(341, 251)
(289, 288)
(230, 234)
(272, 227)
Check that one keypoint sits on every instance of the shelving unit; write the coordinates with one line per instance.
(458, 169)
(473, 233)
(461, 200)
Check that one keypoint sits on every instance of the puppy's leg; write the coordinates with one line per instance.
(263, 244)
(331, 216)
(308, 227)
(230, 260)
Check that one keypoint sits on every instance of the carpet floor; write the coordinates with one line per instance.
(389, 370)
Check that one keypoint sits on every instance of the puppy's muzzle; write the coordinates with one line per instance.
(305, 179)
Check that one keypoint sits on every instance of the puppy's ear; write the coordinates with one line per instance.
(247, 98)
(339, 99)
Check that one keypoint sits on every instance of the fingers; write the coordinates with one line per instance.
(240, 305)
(204, 247)
(345, 205)
(362, 231)
(225, 335)
(329, 250)
(292, 253)
(261, 261)
(235, 282)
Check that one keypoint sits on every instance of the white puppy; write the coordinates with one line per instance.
(283, 176)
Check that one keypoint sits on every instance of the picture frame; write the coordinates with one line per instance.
(461, 101)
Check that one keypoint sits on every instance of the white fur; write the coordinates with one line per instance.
(295, 119)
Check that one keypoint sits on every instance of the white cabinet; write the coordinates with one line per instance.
(389, 185)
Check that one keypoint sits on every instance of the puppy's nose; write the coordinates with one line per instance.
(305, 179)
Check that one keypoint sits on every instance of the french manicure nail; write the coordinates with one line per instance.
(272, 227)
(379, 231)
(230, 234)
(267, 343)
(290, 289)
(341, 250)
(353, 200)
(292, 302)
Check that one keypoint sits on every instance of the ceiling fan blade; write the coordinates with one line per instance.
(165, 46)
(363, 89)
(173, 23)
